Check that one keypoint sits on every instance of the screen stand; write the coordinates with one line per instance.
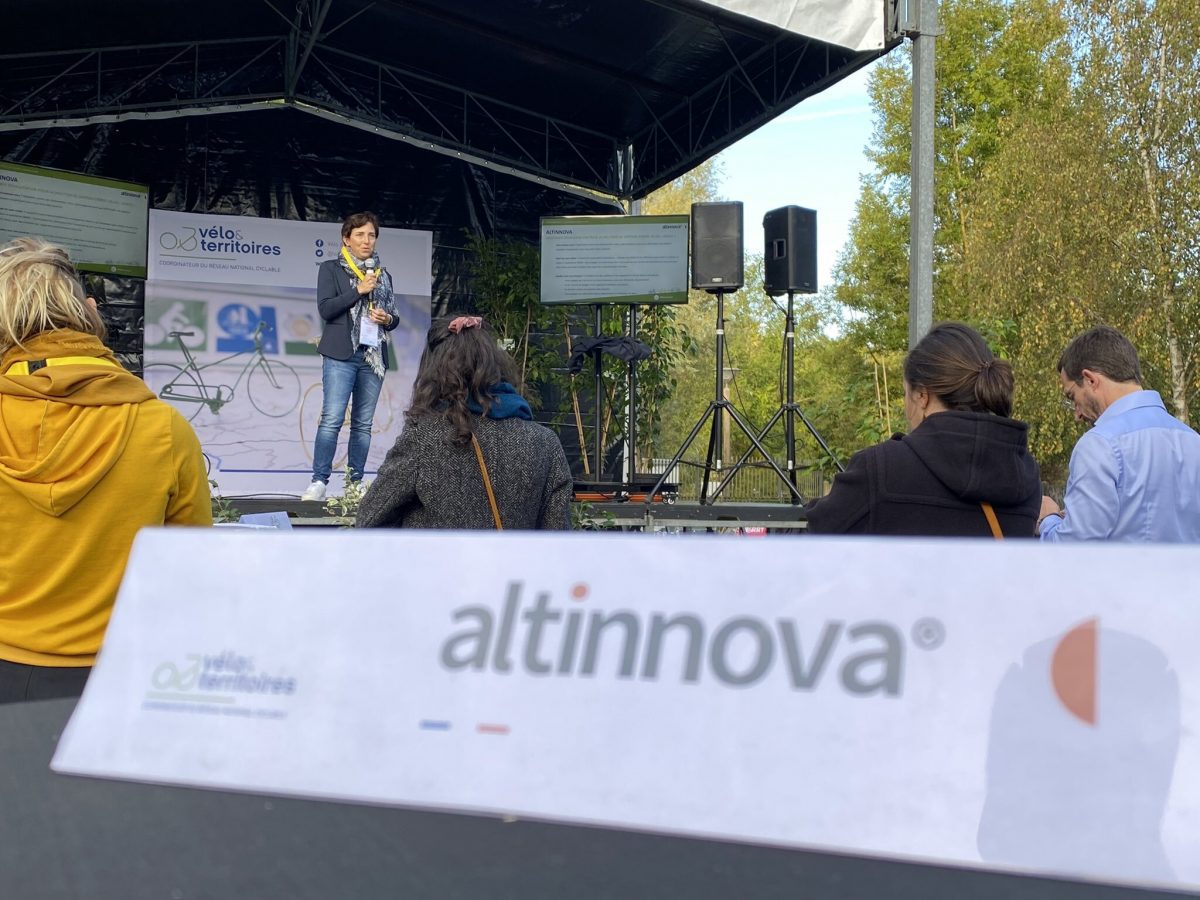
(598, 369)
(630, 462)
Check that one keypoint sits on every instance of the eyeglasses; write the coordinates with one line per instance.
(1068, 404)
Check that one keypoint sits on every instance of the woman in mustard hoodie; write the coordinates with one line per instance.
(88, 455)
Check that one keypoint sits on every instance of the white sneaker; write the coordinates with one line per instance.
(315, 491)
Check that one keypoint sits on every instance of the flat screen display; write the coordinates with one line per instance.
(102, 223)
(614, 259)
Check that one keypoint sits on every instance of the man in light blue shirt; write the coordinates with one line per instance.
(1135, 476)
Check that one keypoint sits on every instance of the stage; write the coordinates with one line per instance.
(628, 515)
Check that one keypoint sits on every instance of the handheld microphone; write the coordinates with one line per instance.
(369, 270)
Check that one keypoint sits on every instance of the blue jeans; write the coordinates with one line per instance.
(342, 380)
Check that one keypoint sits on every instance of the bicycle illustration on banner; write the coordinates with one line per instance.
(272, 386)
(310, 418)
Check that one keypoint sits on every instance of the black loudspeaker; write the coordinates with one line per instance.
(717, 246)
(790, 250)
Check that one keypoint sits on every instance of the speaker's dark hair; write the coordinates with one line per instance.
(954, 363)
(457, 369)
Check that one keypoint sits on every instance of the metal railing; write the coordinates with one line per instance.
(749, 484)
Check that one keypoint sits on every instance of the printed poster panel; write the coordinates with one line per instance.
(231, 332)
(865, 696)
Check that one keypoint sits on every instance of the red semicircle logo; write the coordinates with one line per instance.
(1073, 671)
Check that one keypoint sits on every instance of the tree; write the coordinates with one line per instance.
(504, 275)
(1089, 211)
(1141, 65)
(1043, 260)
(996, 59)
(998, 63)
(668, 390)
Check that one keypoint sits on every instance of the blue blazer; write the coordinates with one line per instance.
(336, 296)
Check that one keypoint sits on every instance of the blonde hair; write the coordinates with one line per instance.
(40, 291)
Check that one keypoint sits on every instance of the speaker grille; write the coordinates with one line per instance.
(717, 246)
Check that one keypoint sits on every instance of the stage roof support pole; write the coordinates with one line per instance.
(922, 28)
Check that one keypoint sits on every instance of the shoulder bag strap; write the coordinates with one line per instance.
(487, 482)
(993, 522)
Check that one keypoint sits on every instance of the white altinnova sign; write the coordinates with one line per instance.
(1008, 705)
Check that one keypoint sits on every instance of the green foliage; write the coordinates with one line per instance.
(345, 508)
(671, 345)
(585, 517)
(1088, 213)
(701, 185)
(1140, 65)
(996, 59)
(872, 275)
(505, 279)
(1066, 194)
(505, 276)
(223, 511)
(853, 396)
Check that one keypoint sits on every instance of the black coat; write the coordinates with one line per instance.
(931, 482)
(337, 293)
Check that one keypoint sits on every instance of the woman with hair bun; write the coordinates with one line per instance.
(963, 451)
(465, 420)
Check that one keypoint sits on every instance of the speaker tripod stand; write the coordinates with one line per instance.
(716, 408)
(790, 410)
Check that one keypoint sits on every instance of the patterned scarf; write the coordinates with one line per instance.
(381, 297)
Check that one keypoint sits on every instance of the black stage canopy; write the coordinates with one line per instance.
(610, 96)
(459, 117)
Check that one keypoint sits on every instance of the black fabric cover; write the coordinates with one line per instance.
(628, 349)
(66, 838)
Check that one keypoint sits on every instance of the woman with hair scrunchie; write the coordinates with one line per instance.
(432, 478)
(963, 449)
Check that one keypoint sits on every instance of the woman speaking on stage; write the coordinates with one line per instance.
(354, 298)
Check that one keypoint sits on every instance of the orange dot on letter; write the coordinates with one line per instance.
(1073, 671)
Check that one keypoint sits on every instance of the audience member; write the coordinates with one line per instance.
(88, 456)
(963, 451)
(1135, 476)
(464, 404)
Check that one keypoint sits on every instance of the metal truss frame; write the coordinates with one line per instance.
(297, 69)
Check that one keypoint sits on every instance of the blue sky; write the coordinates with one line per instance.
(811, 156)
